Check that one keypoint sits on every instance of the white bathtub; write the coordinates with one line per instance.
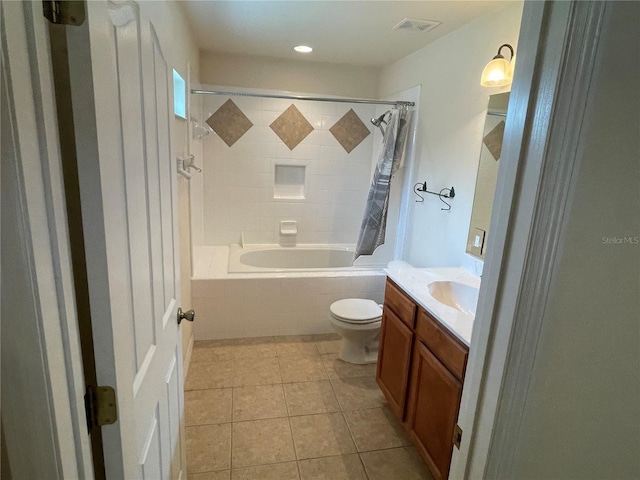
(235, 294)
(271, 258)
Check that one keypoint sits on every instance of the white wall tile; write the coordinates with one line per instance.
(238, 180)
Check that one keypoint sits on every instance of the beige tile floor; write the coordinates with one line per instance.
(287, 408)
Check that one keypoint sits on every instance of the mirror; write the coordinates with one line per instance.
(490, 152)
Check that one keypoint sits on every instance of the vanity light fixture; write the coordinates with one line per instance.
(499, 71)
(303, 49)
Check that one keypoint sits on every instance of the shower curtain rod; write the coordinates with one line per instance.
(303, 97)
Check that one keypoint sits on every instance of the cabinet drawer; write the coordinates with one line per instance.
(401, 305)
(448, 350)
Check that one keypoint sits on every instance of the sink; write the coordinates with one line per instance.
(463, 298)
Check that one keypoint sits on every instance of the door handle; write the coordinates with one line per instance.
(188, 315)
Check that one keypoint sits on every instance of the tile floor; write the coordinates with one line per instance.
(287, 408)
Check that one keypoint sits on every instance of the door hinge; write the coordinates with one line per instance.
(100, 405)
(457, 436)
(64, 12)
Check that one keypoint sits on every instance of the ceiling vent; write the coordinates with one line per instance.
(416, 25)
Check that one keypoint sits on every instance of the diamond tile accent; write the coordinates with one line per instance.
(493, 140)
(291, 127)
(229, 122)
(350, 131)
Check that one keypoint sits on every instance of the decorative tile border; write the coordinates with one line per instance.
(350, 131)
(229, 123)
(291, 127)
(493, 140)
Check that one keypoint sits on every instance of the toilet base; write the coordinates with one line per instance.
(355, 352)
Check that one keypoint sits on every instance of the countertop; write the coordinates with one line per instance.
(414, 282)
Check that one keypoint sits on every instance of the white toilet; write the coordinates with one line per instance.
(358, 322)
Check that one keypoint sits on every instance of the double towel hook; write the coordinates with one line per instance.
(421, 187)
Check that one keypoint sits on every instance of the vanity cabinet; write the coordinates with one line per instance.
(421, 368)
(396, 344)
(394, 361)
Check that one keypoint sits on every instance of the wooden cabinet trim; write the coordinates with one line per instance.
(448, 349)
(401, 304)
(421, 365)
(423, 357)
(394, 357)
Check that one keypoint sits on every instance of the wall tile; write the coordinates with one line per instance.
(350, 131)
(292, 127)
(238, 181)
(229, 122)
(493, 140)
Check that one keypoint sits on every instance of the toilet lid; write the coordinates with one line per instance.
(356, 310)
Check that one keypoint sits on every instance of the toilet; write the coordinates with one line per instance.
(358, 322)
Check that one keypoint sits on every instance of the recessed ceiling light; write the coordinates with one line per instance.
(303, 49)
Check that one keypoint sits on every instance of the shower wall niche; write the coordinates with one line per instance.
(289, 182)
(270, 160)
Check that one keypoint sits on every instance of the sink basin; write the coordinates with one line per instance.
(463, 298)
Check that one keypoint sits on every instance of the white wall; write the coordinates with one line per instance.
(180, 50)
(294, 76)
(238, 181)
(582, 411)
(452, 111)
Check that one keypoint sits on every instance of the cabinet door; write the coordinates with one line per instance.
(394, 359)
(435, 400)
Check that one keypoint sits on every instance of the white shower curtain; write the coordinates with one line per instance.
(374, 223)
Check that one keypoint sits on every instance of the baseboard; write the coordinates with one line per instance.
(187, 357)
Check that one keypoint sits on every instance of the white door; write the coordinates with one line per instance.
(122, 102)
(44, 429)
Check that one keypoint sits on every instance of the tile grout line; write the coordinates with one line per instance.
(231, 433)
(364, 468)
(328, 378)
(295, 450)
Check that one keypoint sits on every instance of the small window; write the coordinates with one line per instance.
(179, 96)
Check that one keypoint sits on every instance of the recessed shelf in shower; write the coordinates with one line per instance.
(289, 182)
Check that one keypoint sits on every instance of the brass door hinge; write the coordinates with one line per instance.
(64, 12)
(100, 405)
(457, 436)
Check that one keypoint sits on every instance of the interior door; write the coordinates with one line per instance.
(44, 433)
(122, 101)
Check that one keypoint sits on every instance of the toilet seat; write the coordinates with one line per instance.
(356, 310)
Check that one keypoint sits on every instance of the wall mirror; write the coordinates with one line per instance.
(490, 152)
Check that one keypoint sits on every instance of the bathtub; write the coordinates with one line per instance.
(274, 258)
(266, 290)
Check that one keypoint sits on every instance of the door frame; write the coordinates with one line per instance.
(511, 275)
(556, 58)
(43, 215)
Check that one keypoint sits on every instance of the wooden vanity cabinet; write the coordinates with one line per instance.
(396, 344)
(394, 360)
(439, 362)
(421, 368)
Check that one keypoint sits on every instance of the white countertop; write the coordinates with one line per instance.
(414, 282)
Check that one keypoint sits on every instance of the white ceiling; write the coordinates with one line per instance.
(351, 32)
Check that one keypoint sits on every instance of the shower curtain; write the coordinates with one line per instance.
(374, 222)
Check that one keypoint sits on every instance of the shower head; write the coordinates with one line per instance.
(379, 121)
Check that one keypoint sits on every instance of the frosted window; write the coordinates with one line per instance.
(179, 95)
(289, 181)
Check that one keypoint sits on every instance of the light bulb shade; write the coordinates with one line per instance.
(497, 73)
